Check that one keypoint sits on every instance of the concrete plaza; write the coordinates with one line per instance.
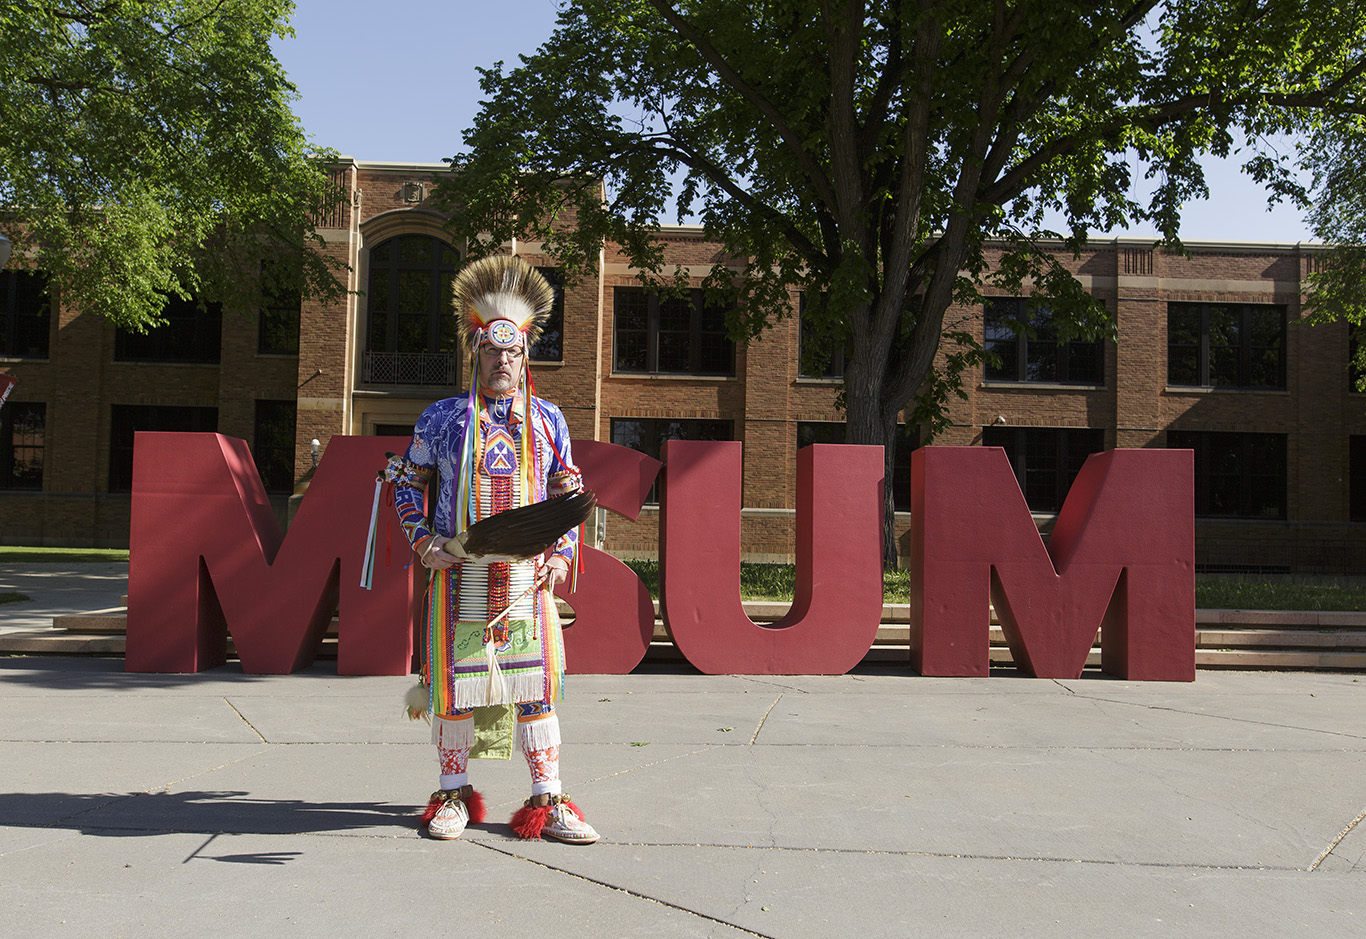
(878, 803)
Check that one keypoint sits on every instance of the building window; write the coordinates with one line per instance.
(193, 332)
(1226, 345)
(26, 317)
(1237, 475)
(1356, 474)
(412, 337)
(1356, 375)
(907, 440)
(1039, 357)
(550, 347)
(819, 354)
(670, 335)
(393, 430)
(1045, 459)
(648, 434)
(127, 419)
(281, 302)
(273, 447)
(22, 432)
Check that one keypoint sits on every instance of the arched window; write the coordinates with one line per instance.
(412, 338)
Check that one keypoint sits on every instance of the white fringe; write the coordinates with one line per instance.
(472, 692)
(539, 734)
(452, 735)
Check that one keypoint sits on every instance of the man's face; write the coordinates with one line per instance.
(499, 369)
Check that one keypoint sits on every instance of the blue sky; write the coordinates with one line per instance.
(396, 81)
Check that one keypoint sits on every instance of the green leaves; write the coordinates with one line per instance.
(149, 148)
(883, 154)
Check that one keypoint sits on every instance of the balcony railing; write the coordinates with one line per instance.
(409, 368)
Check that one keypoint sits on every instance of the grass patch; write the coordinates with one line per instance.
(1221, 593)
(13, 597)
(778, 582)
(21, 555)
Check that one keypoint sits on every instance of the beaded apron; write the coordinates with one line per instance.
(461, 601)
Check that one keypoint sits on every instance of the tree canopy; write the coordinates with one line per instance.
(149, 149)
(868, 152)
(1336, 155)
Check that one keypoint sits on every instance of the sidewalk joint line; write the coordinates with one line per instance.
(626, 890)
(956, 856)
(765, 717)
(1227, 717)
(632, 769)
(244, 720)
(1332, 845)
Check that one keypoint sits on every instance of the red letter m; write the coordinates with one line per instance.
(207, 559)
(1121, 554)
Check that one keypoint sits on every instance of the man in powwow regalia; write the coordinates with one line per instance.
(494, 653)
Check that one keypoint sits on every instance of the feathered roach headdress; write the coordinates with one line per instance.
(501, 300)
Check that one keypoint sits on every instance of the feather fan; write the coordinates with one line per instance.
(526, 531)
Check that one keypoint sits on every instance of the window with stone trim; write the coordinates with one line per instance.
(127, 419)
(550, 346)
(23, 433)
(1226, 345)
(1356, 375)
(278, 319)
(648, 435)
(393, 430)
(820, 353)
(192, 333)
(1046, 460)
(1025, 342)
(273, 444)
(907, 441)
(1356, 474)
(1237, 475)
(678, 335)
(411, 335)
(25, 314)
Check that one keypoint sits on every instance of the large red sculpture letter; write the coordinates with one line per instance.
(614, 617)
(1122, 553)
(838, 606)
(207, 558)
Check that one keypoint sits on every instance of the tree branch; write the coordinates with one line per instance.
(675, 149)
(812, 169)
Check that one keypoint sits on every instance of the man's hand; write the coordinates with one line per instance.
(559, 571)
(433, 557)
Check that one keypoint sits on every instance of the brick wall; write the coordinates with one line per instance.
(765, 399)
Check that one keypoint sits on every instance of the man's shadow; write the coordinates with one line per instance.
(211, 813)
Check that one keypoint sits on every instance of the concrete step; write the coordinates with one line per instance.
(1265, 659)
(1216, 639)
(1247, 639)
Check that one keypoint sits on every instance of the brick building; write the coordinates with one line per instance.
(1210, 356)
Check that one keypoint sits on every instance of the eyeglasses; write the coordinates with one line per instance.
(495, 353)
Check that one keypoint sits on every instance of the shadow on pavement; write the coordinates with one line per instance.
(140, 814)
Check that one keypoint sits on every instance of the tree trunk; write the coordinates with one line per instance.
(866, 424)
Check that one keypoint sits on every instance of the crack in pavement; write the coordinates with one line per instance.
(243, 718)
(765, 717)
(625, 890)
(1332, 845)
(1226, 717)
